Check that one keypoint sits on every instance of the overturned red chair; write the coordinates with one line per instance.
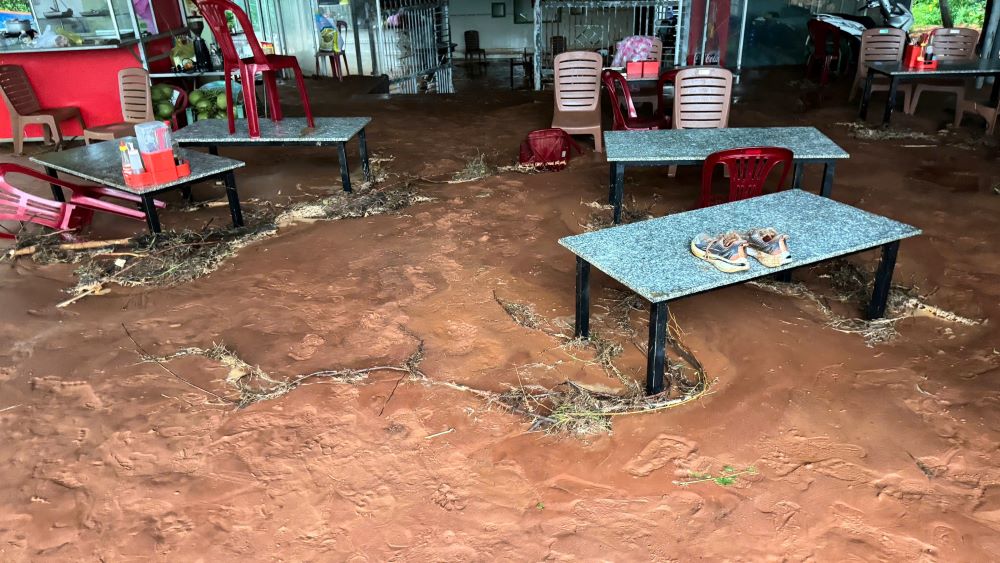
(748, 170)
(21, 207)
(16, 205)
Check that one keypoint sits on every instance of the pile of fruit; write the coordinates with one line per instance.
(210, 103)
(163, 105)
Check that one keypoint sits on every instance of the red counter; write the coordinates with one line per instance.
(85, 78)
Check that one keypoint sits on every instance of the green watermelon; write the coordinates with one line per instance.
(164, 110)
(195, 96)
(203, 105)
(161, 92)
(220, 101)
(204, 115)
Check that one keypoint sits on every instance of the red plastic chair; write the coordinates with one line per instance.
(179, 106)
(85, 199)
(826, 49)
(748, 171)
(615, 82)
(16, 205)
(663, 112)
(214, 12)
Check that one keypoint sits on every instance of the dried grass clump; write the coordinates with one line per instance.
(475, 168)
(520, 313)
(253, 385)
(361, 203)
(851, 284)
(576, 409)
(173, 257)
(864, 132)
(176, 257)
(604, 218)
(581, 410)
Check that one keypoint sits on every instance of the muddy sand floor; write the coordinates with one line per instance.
(840, 450)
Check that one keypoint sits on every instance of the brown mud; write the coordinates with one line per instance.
(887, 453)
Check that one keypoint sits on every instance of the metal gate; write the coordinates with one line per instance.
(596, 25)
(411, 44)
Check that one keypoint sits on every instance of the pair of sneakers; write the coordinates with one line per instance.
(728, 252)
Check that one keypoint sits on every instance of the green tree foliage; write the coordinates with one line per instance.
(966, 13)
(17, 6)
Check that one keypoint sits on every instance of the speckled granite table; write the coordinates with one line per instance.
(896, 72)
(653, 258)
(101, 163)
(670, 147)
(290, 131)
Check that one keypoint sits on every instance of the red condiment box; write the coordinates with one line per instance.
(913, 58)
(160, 169)
(643, 69)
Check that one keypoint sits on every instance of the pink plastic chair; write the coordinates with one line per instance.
(214, 12)
(748, 171)
(16, 205)
(85, 199)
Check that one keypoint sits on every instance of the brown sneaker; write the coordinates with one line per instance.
(769, 247)
(726, 252)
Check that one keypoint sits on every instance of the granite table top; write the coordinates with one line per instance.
(691, 146)
(944, 67)
(288, 131)
(101, 163)
(653, 258)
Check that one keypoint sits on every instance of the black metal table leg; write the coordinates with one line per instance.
(345, 172)
(234, 199)
(797, 171)
(995, 92)
(883, 280)
(867, 95)
(617, 189)
(363, 148)
(213, 150)
(657, 358)
(611, 183)
(582, 298)
(57, 192)
(186, 193)
(149, 208)
(784, 276)
(827, 189)
(890, 103)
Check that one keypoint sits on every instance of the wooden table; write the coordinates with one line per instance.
(101, 163)
(897, 72)
(672, 147)
(653, 258)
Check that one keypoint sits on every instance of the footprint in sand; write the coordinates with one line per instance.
(80, 391)
(847, 529)
(447, 498)
(307, 348)
(658, 453)
(817, 452)
(462, 338)
(988, 509)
